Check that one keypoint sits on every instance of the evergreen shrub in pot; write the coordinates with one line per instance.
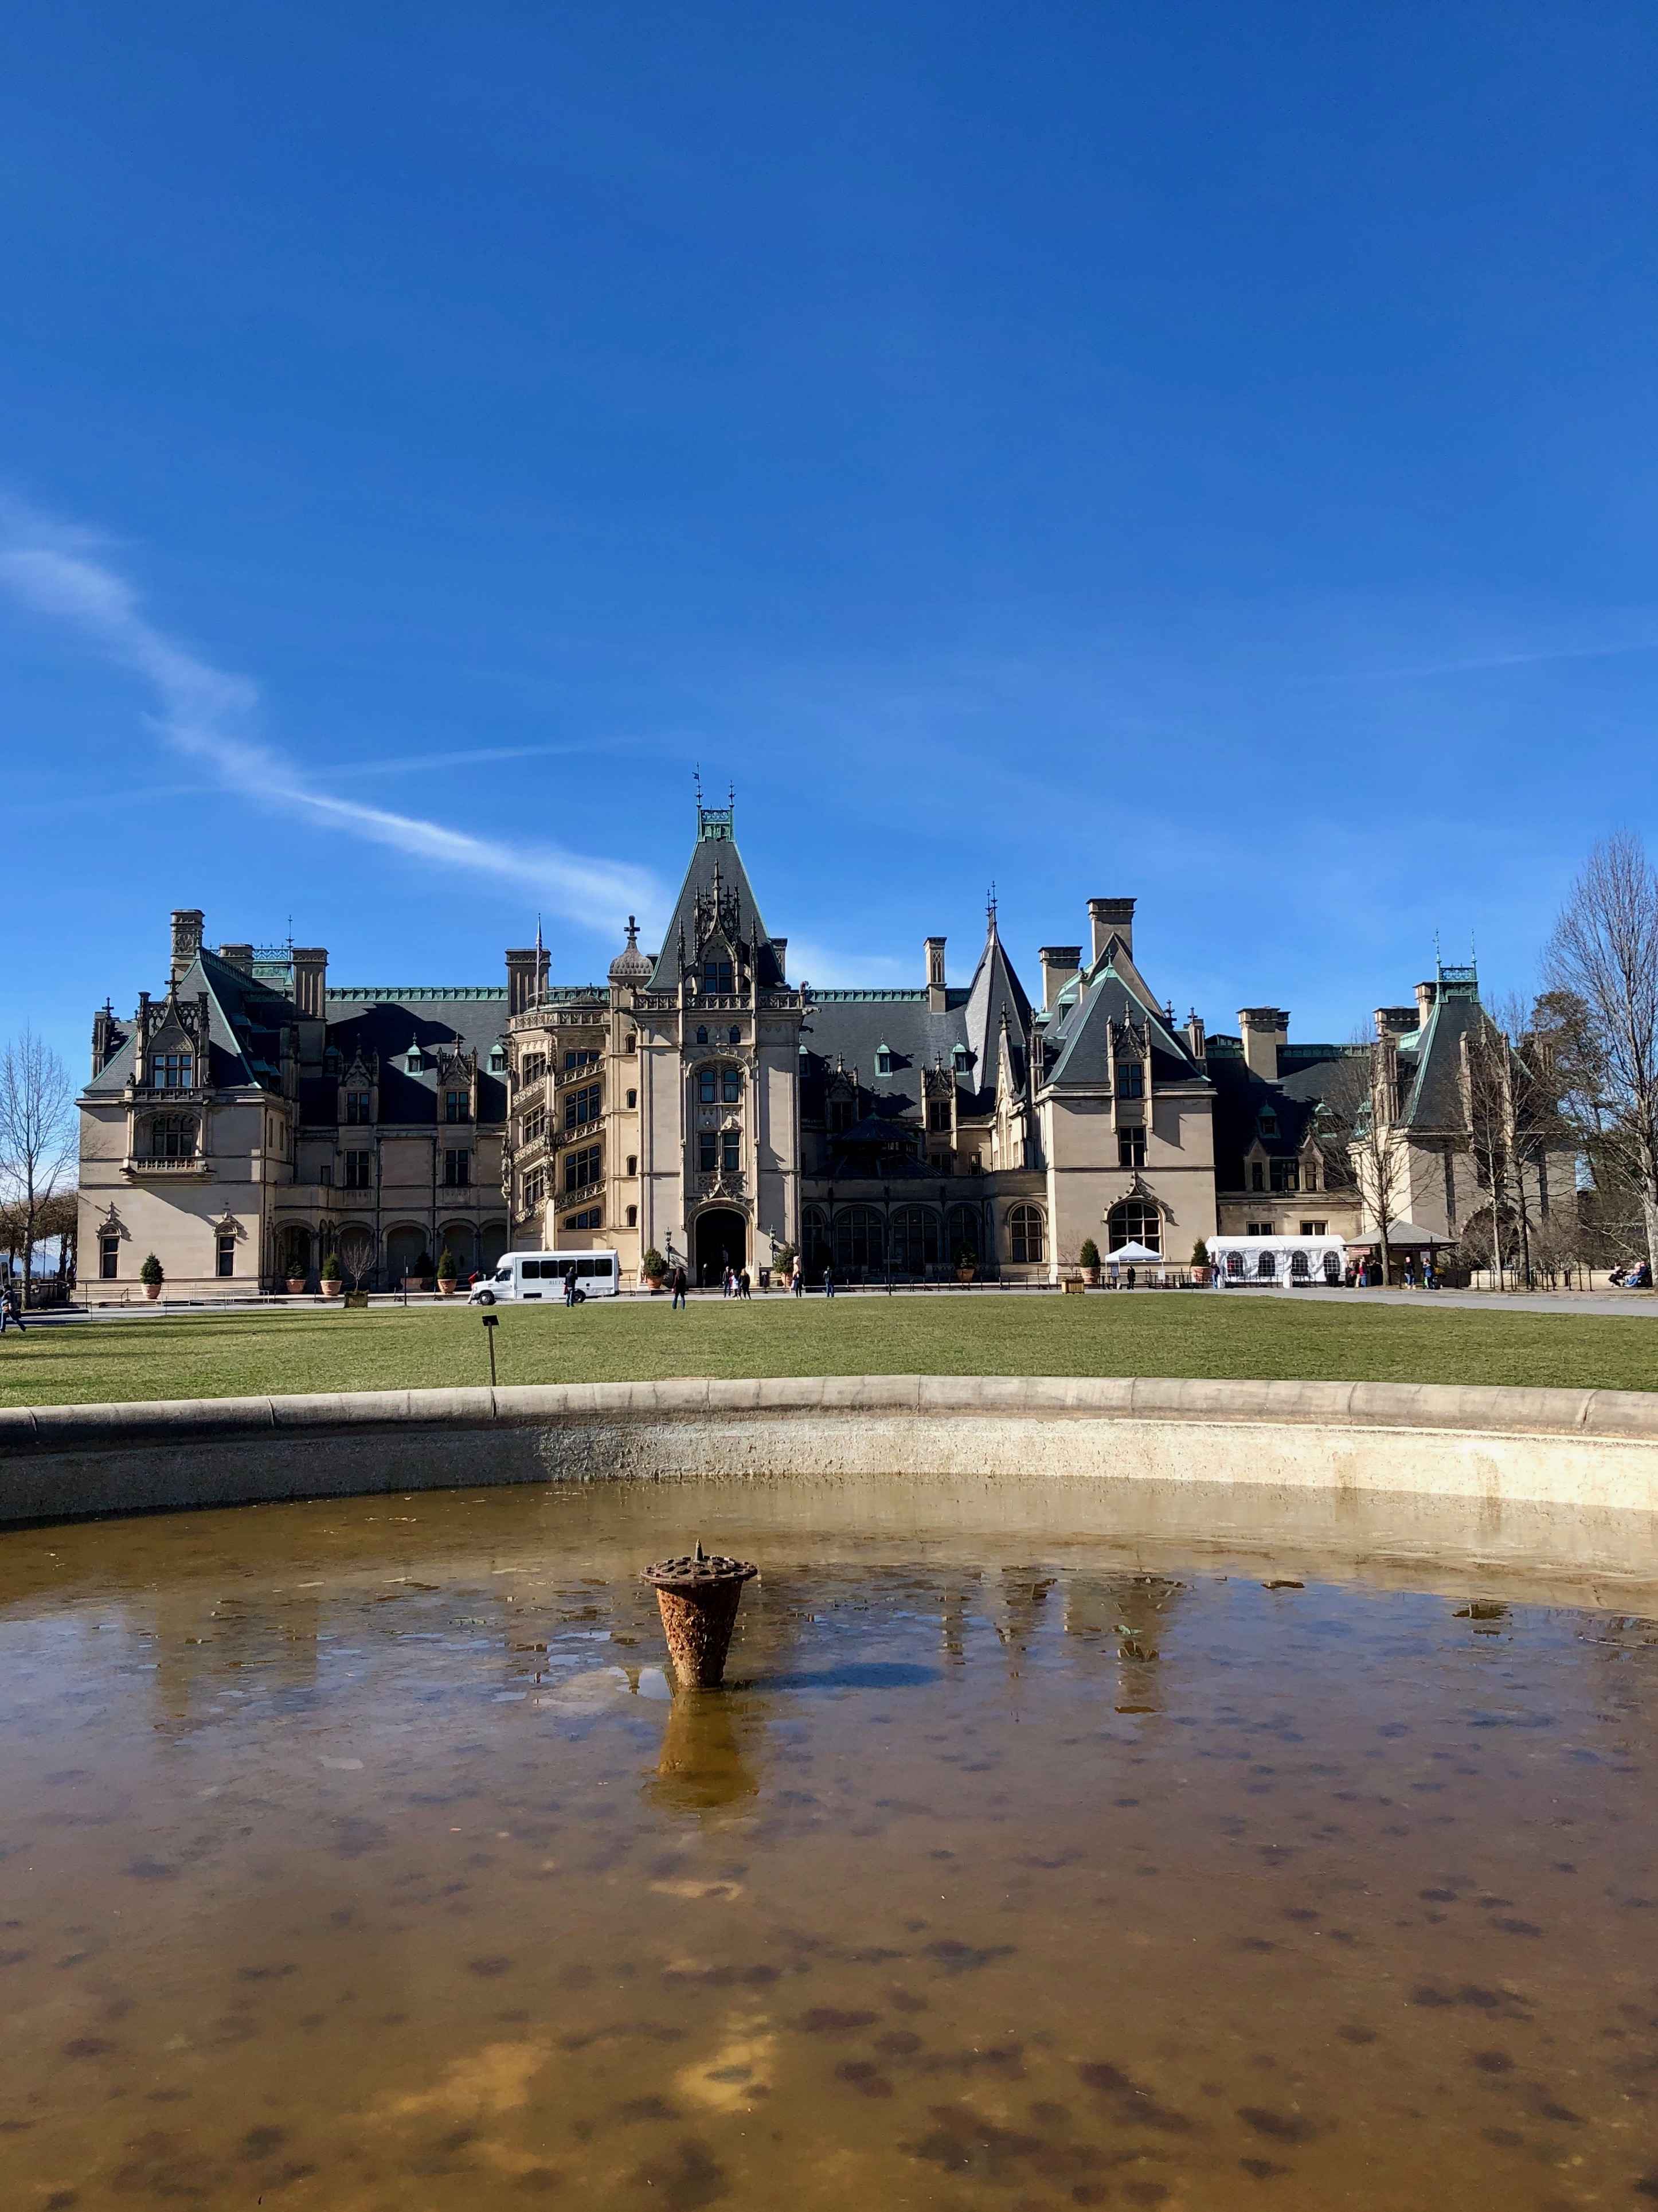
(330, 1275)
(152, 1275)
(654, 1268)
(448, 1272)
(1090, 1259)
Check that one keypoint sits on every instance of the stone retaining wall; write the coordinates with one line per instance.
(1564, 1478)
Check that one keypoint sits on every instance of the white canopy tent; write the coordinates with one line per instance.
(1135, 1255)
(1277, 1262)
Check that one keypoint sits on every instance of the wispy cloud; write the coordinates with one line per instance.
(207, 716)
(474, 757)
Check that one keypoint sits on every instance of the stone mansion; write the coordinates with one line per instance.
(255, 1115)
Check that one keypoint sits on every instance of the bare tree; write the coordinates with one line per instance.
(357, 1255)
(1359, 1107)
(38, 1147)
(1604, 957)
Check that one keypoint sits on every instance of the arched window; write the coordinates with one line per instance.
(1134, 1221)
(1025, 1239)
(914, 1239)
(173, 1137)
(1299, 1271)
(701, 1036)
(962, 1233)
(722, 1085)
(860, 1241)
(1331, 1268)
(814, 1239)
(1266, 1267)
(1235, 1266)
(733, 1035)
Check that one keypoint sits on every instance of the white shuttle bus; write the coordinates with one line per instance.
(523, 1277)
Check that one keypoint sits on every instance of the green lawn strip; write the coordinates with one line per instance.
(261, 1354)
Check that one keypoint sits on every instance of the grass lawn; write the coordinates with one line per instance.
(254, 1354)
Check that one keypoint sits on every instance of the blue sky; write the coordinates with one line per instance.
(1198, 452)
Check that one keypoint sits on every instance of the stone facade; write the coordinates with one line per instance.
(699, 1103)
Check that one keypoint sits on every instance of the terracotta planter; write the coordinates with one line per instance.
(657, 1285)
(450, 1287)
(295, 1286)
(1093, 1276)
(965, 1274)
(330, 1290)
(418, 1282)
(152, 1290)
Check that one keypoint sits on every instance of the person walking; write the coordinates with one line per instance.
(11, 1312)
(745, 1287)
(797, 1276)
(679, 1288)
(828, 1280)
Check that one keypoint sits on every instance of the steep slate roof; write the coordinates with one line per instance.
(995, 991)
(1076, 1036)
(245, 1022)
(474, 1021)
(245, 1018)
(1434, 1100)
(1307, 1073)
(715, 847)
(852, 1026)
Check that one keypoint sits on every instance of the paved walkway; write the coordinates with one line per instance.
(1590, 1304)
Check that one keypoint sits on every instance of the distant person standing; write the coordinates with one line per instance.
(797, 1276)
(828, 1280)
(745, 1287)
(680, 1286)
(569, 1284)
(11, 1312)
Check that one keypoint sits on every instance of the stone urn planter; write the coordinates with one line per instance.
(330, 1289)
(447, 1285)
(295, 1286)
(152, 1290)
(418, 1282)
(965, 1274)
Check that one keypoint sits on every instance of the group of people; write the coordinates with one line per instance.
(736, 1282)
(1366, 1274)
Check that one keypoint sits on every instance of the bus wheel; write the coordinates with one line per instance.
(579, 1299)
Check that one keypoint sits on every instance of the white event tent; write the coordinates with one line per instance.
(1280, 1262)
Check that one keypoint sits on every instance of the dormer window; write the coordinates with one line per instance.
(958, 1058)
(717, 976)
(1266, 1120)
(415, 1061)
(358, 1107)
(702, 1036)
(498, 1060)
(883, 1059)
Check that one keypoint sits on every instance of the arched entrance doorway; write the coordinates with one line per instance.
(722, 1241)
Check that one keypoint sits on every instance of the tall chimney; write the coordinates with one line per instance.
(1425, 995)
(240, 956)
(1197, 1044)
(521, 978)
(1109, 918)
(780, 946)
(935, 974)
(1264, 1029)
(310, 979)
(187, 922)
(1060, 963)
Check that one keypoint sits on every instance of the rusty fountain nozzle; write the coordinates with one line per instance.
(697, 1596)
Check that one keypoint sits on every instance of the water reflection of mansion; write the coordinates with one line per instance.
(256, 1115)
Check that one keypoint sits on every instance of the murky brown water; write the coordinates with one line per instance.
(355, 1857)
